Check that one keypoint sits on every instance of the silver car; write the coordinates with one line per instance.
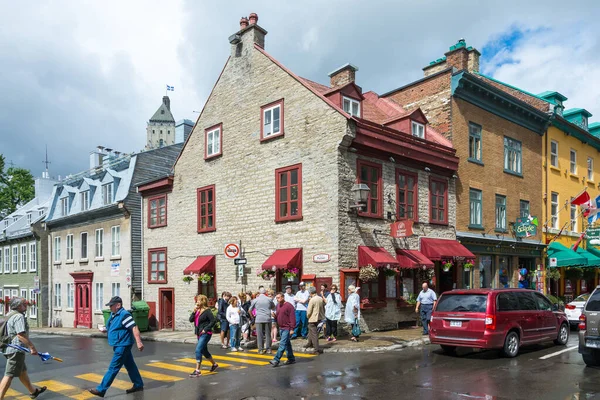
(589, 333)
(573, 309)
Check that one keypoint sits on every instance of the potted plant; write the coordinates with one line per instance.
(266, 274)
(291, 273)
(368, 273)
(389, 272)
(447, 265)
(187, 279)
(467, 266)
(205, 277)
(553, 273)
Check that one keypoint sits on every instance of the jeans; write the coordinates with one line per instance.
(331, 328)
(301, 319)
(285, 345)
(202, 347)
(426, 310)
(234, 336)
(122, 357)
(263, 329)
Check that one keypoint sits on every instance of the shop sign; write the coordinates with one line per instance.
(593, 233)
(321, 258)
(526, 227)
(401, 229)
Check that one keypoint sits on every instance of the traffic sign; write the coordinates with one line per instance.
(240, 261)
(241, 271)
(232, 250)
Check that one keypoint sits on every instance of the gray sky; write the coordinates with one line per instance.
(77, 74)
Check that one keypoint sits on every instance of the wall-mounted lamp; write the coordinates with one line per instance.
(427, 169)
(361, 195)
(352, 149)
(455, 176)
(392, 159)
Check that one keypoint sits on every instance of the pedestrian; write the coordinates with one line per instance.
(122, 332)
(263, 306)
(18, 329)
(273, 319)
(204, 322)
(245, 321)
(352, 312)
(301, 299)
(286, 319)
(315, 313)
(324, 292)
(333, 312)
(290, 297)
(222, 305)
(233, 317)
(425, 301)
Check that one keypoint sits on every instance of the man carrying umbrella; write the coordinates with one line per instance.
(122, 331)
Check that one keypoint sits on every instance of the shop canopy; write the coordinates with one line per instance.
(444, 249)
(565, 257)
(378, 257)
(202, 264)
(412, 259)
(593, 250)
(284, 259)
(592, 259)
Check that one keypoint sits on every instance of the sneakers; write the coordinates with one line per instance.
(269, 351)
(329, 339)
(234, 349)
(223, 346)
(194, 374)
(290, 362)
(240, 349)
(274, 363)
(134, 389)
(333, 339)
(215, 366)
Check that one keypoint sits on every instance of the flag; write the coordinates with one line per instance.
(578, 241)
(582, 200)
(593, 218)
(593, 209)
(170, 88)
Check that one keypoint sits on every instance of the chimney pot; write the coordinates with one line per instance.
(253, 18)
(243, 23)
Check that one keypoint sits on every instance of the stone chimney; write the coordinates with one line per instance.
(97, 157)
(343, 75)
(167, 102)
(250, 33)
(459, 56)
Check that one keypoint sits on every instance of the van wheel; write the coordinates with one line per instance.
(563, 335)
(591, 360)
(511, 345)
(448, 349)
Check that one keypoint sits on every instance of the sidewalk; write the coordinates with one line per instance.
(369, 342)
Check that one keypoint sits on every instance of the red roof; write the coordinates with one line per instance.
(284, 259)
(412, 259)
(444, 249)
(376, 256)
(201, 265)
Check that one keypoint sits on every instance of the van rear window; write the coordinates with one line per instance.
(593, 303)
(462, 303)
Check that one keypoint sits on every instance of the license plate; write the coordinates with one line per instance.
(593, 343)
(456, 323)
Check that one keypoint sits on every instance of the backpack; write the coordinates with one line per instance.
(5, 338)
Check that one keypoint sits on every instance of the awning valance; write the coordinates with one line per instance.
(284, 259)
(594, 251)
(444, 249)
(378, 257)
(412, 259)
(565, 257)
(201, 265)
(592, 259)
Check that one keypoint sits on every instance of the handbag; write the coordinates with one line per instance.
(355, 328)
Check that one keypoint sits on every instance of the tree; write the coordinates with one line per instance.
(17, 187)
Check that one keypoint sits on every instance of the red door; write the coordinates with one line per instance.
(167, 308)
(83, 299)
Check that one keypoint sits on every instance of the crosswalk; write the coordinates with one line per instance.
(159, 371)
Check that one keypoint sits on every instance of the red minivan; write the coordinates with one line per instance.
(496, 319)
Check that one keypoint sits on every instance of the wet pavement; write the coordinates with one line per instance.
(421, 372)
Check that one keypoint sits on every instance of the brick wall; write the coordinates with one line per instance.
(531, 100)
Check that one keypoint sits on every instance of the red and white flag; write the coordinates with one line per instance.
(582, 200)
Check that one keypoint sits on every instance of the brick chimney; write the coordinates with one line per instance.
(250, 33)
(343, 75)
(167, 102)
(459, 57)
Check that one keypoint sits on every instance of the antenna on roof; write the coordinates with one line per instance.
(46, 174)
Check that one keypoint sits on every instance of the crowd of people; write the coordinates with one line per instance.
(275, 319)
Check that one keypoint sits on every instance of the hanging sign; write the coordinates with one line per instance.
(553, 261)
(526, 227)
(401, 229)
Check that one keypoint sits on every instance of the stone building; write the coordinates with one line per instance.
(160, 130)
(498, 138)
(93, 228)
(270, 174)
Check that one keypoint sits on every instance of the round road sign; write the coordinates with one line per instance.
(232, 250)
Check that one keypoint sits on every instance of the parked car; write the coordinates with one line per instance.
(589, 337)
(574, 308)
(502, 319)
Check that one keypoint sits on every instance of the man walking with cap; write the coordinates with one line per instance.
(122, 331)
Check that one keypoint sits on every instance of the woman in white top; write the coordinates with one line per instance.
(352, 312)
(233, 317)
(333, 312)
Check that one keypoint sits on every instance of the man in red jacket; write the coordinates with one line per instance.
(286, 319)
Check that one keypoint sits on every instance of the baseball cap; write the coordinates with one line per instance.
(301, 284)
(288, 287)
(114, 301)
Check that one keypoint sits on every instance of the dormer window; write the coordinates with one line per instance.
(558, 108)
(584, 123)
(351, 106)
(29, 218)
(418, 130)
(85, 200)
(64, 206)
(107, 194)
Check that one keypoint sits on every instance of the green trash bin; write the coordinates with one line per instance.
(140, 311)
(106, 314)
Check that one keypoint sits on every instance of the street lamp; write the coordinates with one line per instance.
(361, 195)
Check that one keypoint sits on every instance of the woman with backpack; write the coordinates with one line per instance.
(204, 321)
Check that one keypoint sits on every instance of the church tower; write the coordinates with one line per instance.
(160, 131)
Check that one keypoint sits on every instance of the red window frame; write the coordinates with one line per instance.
(157, 250)
(212, 128)
(278, 187)
(369, 213)
(406, 190)
(207, 190)
(433, 211)
(262, 120)
(157, 199)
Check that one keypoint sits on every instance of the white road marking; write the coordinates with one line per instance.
(558, 352)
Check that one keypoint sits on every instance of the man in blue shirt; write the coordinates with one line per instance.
(122, 331)
(426, 300)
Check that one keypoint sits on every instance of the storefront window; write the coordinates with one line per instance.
(504, 273)
(407, 284)
(207, 289)
(466, 278)
(486, 272)
(390, 287)
(282, 282)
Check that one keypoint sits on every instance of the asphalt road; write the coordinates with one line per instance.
(413, 373)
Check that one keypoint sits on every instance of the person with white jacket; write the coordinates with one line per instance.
(233, 317)
(333, 312)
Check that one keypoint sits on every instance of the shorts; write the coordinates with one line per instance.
(15, 364)
(224, 325)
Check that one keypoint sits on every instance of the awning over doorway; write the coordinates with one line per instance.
(412, 259)
(593, 250)
(444, 249)
(284, 259)
(592, 259)
(565, 257)
(378, 257)
(202, 264)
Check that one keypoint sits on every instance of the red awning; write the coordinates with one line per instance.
(444, 249)
(412, 259)
(200, 265)
(284, 259)
(376, 256)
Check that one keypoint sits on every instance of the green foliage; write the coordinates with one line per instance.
(574, 273)
(555, 300)
(17, 187)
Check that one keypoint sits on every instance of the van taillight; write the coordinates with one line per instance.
(490, 322)
(582, 324)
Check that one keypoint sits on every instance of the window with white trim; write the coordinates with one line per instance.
(84, 245)
(590, 166)
(99, 296)
(6, 260)
(64, 206)
(33, 301)
(70, 295)
(573, 217)
(15, 254)
(554, 210)
(57, 249)
(513, 156)
(418, 129)
(351, 106)
(69, 247)
(32, 257)
(115, 237)
(99, 243)
(272, 121)
(573, 161)
(57, 295)
(116, 289)
(29, 218)
(554, 153)
(107, 193)
(24, 259)
(23, 293)
(85, 200)
(213, 142)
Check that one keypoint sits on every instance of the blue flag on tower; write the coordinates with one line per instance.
(171, 88)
